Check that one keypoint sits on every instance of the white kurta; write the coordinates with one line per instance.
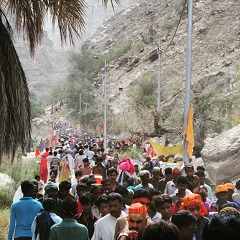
(104, 228)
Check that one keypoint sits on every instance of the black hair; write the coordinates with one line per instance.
(78, 173)
(200, 173)
(237, 185)
(85, 160)
(114, 196)
(161, 230)
(222, 227)
(86, 199)
(101, 199)
(142, 194)
(154, 193)
(69, 207)
(201, 168)
(81, 185)
(164, 198)
(168, 170)
(183, 219)
(105, 180)
(182, 180)
(112, 170)
(27, 186)
(37, 177)
(93, 187)
(49, 204)
(121, 190)
(65, 185)
(81, 152)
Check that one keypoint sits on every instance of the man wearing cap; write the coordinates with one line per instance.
(230, 188)
(136, 221)
(144, 176)
(51, 190)
(193, 203)
(222, 196)
(141, 196)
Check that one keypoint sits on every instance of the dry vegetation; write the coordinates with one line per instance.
(4, 221)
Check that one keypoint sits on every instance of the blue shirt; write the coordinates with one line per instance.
(22, 214)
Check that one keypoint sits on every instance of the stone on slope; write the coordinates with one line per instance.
(221, 155)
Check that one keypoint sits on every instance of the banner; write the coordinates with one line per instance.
(162, 150)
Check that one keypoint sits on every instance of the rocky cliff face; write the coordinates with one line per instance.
(50, 63)
(216, 46)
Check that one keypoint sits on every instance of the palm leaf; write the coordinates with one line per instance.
(15, 111)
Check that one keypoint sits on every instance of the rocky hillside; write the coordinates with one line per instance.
(215, 60)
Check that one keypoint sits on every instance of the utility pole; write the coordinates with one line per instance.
(80, 106)
(105, 106)
(159, 75)
(188, 78)
(105, 101)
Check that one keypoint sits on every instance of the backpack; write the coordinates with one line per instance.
(43, 224)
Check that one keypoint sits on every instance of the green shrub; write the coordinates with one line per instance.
(5, 198)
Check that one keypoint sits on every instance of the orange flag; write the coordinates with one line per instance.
(37, 152)
(189, 133)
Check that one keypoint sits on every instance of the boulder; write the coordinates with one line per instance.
(221, 156)
(5, 181)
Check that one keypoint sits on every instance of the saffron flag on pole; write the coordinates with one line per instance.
(189, 133)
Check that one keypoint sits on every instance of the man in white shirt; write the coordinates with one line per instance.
(171, 186)
(105, 226)
(236, 195)
(182, 191)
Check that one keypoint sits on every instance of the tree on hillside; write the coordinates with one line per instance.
(29, 15)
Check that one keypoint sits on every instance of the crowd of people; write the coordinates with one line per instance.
(85, 193)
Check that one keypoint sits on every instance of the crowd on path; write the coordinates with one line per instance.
(84, 192)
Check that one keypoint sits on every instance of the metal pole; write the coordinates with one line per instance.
(159, 79)
(105, 106)
(102, 91)
(80, 106)
(188, 77)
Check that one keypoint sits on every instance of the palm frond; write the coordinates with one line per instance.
(105, 2)
(15, 114)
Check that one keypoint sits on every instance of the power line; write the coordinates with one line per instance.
(179, 21)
